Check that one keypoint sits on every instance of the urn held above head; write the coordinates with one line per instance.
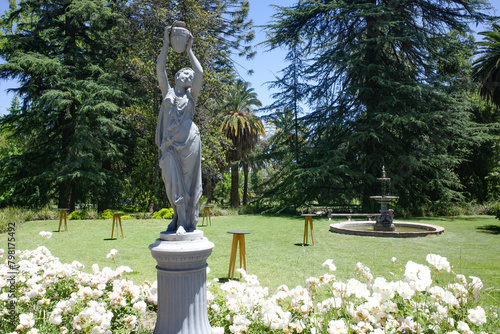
(179, 36)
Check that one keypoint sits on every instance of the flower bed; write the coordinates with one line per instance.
(52, 297)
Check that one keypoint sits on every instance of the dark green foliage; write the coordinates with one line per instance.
(62, 54)
(83, 214)
(487, 66)
(84, 131)
(386, 86)
(486, 71)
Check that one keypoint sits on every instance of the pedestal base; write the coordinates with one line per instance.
(182, 277)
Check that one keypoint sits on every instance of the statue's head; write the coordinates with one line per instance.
(184, 77)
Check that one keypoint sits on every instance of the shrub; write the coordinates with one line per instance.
(131, 208)
(107, 214)
(143, 215)
(216, 210)
(10, 215)
(70, 301)
(492, 208)
(83, 214)
(165, 213)
(364, 304)
(46, 214)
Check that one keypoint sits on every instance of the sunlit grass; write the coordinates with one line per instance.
(274, 247)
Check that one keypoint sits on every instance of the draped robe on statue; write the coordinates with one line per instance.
(178, 139)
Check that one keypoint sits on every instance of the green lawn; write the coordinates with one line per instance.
(274, 247)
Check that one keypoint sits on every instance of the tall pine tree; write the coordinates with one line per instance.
(62, 52)
(379, 98)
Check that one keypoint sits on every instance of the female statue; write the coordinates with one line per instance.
(178, 138)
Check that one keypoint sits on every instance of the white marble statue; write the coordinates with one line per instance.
(177, 137)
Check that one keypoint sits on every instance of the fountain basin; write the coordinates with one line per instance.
(403, 229)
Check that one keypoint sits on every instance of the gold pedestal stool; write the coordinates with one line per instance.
(117, 219)
(63, 216)
(206, 213)
(308, 220)
(238, 238)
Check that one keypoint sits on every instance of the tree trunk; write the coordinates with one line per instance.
(66, 197)
(245, 183)
(235, 196)
(106, 196)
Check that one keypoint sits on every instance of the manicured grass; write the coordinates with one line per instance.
(274, 247)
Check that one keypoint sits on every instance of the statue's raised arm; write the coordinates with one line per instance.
(197, 69)
(161, 63)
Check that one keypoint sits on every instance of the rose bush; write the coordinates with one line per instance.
(364, 304)
(52, 297)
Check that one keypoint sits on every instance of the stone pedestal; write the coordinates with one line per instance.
(182, 277)
(385, 219)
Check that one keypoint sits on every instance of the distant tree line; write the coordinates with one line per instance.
(389, 83)
(82, 128)
(386, 83)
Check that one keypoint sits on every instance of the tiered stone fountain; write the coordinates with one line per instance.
(386, 217)
(385, 226)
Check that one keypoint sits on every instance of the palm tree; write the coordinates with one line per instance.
(487, 66)
(242, 127)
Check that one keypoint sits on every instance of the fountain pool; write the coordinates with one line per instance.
(402, 229)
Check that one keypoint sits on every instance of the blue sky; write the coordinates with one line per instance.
(266, 65)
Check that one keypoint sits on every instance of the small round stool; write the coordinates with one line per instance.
(63, 215)
(238, 238)
(308, 219)
(117, 219)
(206, 213)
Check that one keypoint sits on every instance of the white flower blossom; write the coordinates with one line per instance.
(217, 330)
(438, 262)
(130, 321)
(475, 286)
(140, 306)
(337, 327)
(418, 276)
(112, 254)
(463, 327)
(25, 321)
(477, 316)
(364, 271)
(330, 265)
(46, 235)
(382, 288)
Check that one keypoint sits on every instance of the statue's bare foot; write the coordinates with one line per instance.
(180, 231)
